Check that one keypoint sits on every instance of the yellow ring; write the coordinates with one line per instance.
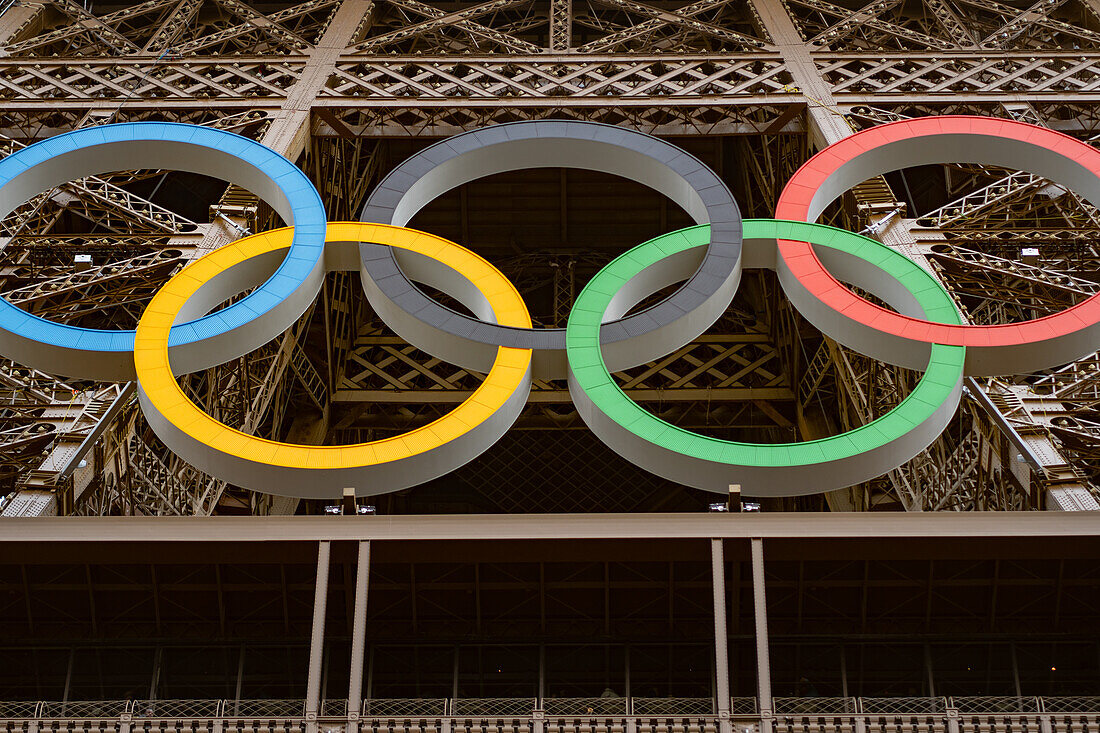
(510, 371)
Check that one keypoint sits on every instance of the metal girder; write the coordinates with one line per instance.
(97, 199)
(63, 473)
(963, 76)
(386, 369)
(658, 18)
(526, 81)
(985, 200)
(105, 32)
(1039, 21)
(737, 80)
(561, 25)
(951, 23)
(269, 25)
(437, 21)
(266, 24)
(1019, 23)
(16, 19)
(75, 29)
(173, 26)
(893, 29)
(839, 30)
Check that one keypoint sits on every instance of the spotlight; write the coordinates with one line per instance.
(718, 506)
(332, 509)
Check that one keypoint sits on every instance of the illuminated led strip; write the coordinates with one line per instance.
(323, 471)
(98, 354)
(1016, 348)
(769, 469)
(711, 275)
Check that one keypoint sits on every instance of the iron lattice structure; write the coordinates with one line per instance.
(348, 88)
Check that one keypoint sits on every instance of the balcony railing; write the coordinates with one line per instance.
(970, 714)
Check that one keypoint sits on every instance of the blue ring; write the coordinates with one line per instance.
(302, 201)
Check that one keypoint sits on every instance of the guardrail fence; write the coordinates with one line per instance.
(970, 714)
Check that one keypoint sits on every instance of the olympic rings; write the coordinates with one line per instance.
(602, 335)
(1014, 348)
(636, 339)
(788, 469)
(97, 354)
(323, 471)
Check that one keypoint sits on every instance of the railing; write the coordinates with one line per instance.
(569, 706)
(178, 708)
(85, 709)
(264, 708)
(909, 705)
(962, 714)
(996, 704)
(490, 707)
(406, 707)
(674, 706)
(817, 705)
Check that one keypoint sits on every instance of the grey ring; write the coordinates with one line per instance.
(711, 281)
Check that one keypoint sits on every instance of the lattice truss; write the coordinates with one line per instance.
(170, 28)
(940, 25)
(409, 68)
(587, 26)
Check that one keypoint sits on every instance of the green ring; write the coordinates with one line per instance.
(766, 466)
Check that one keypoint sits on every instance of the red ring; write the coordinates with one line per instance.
(800, 258)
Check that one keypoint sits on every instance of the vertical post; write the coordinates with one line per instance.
(538, 715)
(928, 670)
(358, 636)
(448, 722)
(317, 640)
(370, 673)
(1015, 669)
(240, 682)
(860, 722)
(626, 671)
(542, 672)
(760, 616)
(454, 674)
(631, 721)
(68, 680)
(843, 671)
(721, 638)
(154, 681)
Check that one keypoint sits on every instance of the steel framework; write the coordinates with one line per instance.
(351, 87)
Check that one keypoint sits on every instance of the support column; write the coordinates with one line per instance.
(721, 638)
(317, 640)
(358, 636)
(760, 616)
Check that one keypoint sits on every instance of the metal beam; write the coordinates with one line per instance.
(317, 637)
(721, 637)
(760, 616)
(1018, 526)
(358, 635)
(561, 25)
